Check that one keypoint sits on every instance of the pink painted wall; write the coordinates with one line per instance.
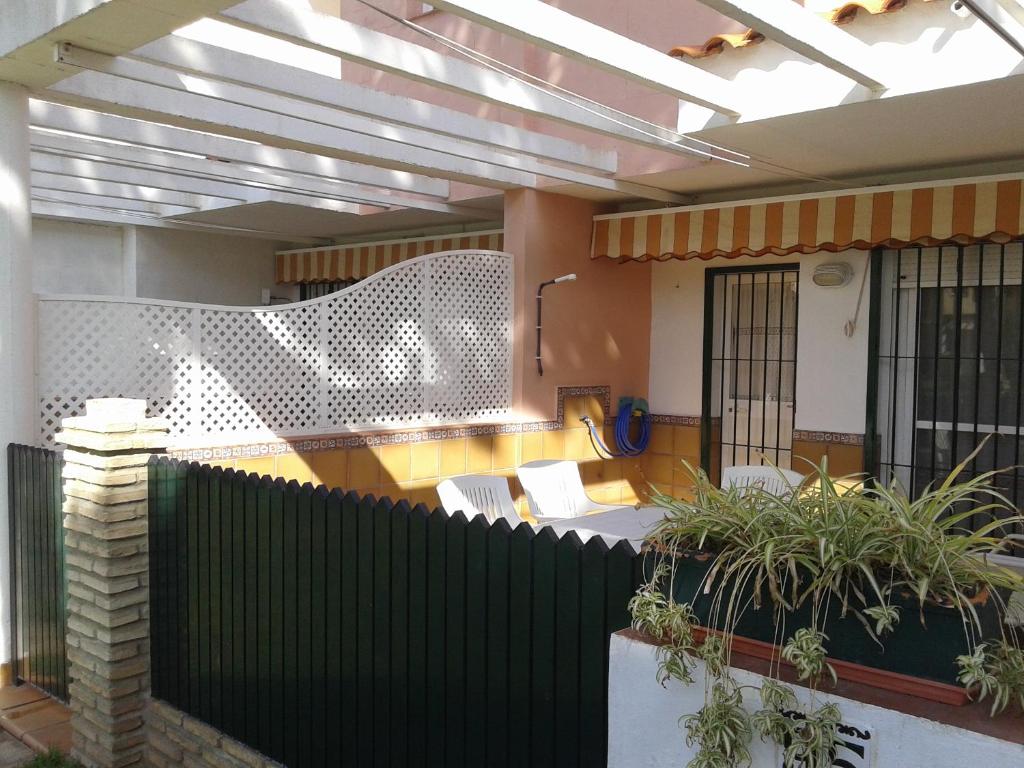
(596, 329)
(660, 24)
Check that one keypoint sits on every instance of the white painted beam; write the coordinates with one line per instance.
(30, 28)
(559, 31)
(204, 59)
(202, 167)
(80, 185)
(50, 210)
(806, 33)
(287, 21)
(1004, 17)
(142, 101)
(159, 179)
(1014, 8)
(61, 117)
(442, 154)
(109, 203)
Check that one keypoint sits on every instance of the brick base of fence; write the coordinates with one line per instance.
(175, 739)
(107, 553)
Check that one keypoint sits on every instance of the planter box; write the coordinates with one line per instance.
(918, 656)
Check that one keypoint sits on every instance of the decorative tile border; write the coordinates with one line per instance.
(373, 439)
(842, 438)
(675, 421)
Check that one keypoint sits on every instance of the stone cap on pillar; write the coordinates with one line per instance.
(115, 424)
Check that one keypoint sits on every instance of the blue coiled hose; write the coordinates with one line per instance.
(628, 407)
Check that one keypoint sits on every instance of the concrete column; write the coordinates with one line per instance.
(107, 556)
(129, 261)
(17, 314)
(597, 329)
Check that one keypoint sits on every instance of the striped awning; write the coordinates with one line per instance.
(958, 213)
(358, 260)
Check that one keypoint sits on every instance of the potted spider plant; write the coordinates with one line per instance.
(830, 579)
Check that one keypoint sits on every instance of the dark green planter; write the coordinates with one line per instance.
(924, 644)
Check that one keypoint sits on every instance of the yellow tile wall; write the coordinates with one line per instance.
(413, 470)
(662, 463)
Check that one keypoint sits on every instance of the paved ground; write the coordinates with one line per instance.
(13, 754)
(28, 715)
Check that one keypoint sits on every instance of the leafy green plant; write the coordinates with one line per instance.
(806, 651)
(721, 729)
(769, 721)
(669, 622)
(52, 759)
(813, 741)
(997, 673)
(816, 549)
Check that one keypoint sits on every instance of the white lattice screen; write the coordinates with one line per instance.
(428, 341)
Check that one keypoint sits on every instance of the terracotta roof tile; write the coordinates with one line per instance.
(842, 14)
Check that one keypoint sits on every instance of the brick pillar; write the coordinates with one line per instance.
(106, 546)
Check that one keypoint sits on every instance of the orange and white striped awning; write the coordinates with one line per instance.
(957, 213)
(358, 260)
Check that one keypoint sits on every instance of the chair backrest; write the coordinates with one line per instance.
(554, 488)
(479, 495)
(774, 480)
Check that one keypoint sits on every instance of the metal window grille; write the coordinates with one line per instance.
(750, 364)
(950, 364)
(316, 290)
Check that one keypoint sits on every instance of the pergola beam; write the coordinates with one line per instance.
(344, 175)
(469, 162)
(142, 101)
(286, 21)
(56, 210)
(1004, 17)
(30, 28)
(112, 189)
(204, 59)
(560, 32)
(160, 179)
(108, 203)
(153, 159)
(806, 33)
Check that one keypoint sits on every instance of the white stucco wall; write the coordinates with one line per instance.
(68, 257)
(831, 368)
(202, 267)
(644, 731)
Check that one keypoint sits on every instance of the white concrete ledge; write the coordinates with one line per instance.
(644, 730)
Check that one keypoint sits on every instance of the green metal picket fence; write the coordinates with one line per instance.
(38, 579)
(326, 629)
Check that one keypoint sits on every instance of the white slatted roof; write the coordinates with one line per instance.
(178, 116)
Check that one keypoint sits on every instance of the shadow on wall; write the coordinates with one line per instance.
(412, 470)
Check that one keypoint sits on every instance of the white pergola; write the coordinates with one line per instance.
(169, 113)
(166, 113)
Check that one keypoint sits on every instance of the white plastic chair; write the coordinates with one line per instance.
(479, 495)
(774, 480)
(555, 490)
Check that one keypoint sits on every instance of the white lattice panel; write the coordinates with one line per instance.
(114, 349)
(469, 365)
(426, 342)
(375, 369)
(260, 370)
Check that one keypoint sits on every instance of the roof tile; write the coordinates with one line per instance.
(842, 14)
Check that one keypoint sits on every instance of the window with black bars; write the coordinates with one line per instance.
(750, 351)
(316, 290)
(950, 365)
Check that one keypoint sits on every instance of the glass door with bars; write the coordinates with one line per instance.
(750, 338)
(950, 363)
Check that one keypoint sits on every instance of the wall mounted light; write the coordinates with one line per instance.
(834, 275)
(540, 289)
